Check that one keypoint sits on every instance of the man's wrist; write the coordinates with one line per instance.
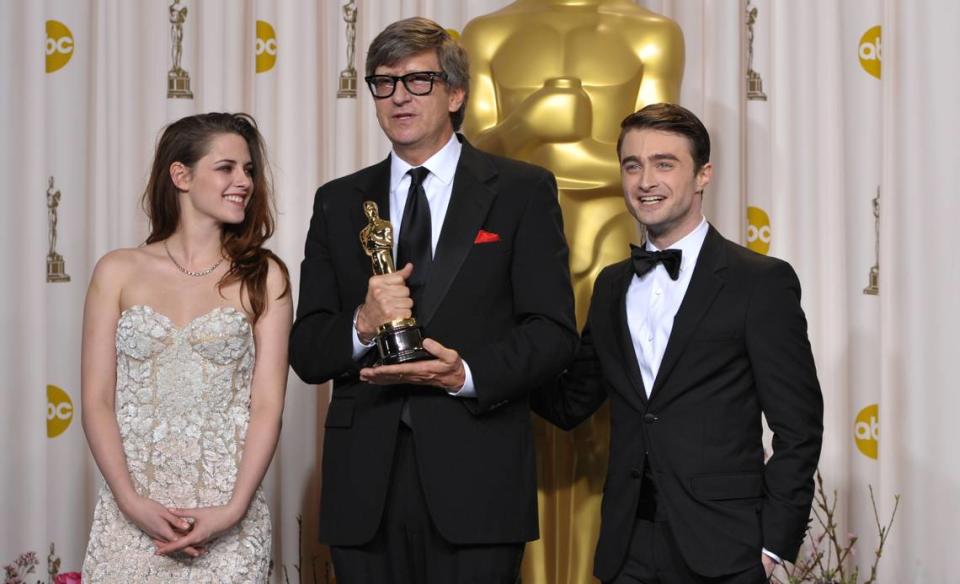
(466, 388)
(365, 340)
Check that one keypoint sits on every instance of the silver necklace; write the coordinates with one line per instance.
(197, 274)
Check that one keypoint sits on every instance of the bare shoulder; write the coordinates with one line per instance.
(113, 273)
(278, 280)
(117, 266)
(278, 300)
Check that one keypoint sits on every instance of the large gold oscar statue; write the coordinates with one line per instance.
(552, 79)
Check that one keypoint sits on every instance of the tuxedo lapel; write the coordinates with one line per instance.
(373, 185)
(472, 195)
(636, 394)
(703, 289)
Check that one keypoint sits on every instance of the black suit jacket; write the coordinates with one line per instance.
(738, 347)
(506, 306)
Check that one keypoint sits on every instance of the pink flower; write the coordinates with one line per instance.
(68, 578)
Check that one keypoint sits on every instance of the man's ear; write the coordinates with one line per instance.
(180, 175)
(455, 99)
(704, 176)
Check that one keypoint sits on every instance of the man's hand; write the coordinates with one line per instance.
(445, 372)
(768, 564)
(388, 299)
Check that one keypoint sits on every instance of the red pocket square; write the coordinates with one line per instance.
(486, 237)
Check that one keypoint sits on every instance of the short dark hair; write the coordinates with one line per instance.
(669, 117)
(414, 35)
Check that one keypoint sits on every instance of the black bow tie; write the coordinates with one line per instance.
(644, 261)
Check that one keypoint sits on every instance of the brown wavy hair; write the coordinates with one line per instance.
(187, 140)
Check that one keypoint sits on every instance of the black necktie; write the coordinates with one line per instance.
(644, 261)
(415, 234)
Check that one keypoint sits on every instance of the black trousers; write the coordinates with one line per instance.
(408, 549)
(655, 558)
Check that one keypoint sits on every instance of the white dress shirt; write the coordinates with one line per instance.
(438, 187)
(653, 301)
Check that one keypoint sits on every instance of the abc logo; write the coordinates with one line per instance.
(59, 411)
(59, 45)
(869, 51)
(866, 430)
(266, 46)
(758, 230)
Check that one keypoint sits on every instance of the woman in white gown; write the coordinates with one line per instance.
(185, 367)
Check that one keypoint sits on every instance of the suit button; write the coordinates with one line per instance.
(635, 473)
(650, 418)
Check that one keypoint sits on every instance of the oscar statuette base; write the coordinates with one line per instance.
(401, 342)
(755, 87)
(348, 83)
(56, 268)
(873, 286)
(178, 85)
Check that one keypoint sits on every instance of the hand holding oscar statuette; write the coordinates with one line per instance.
(398, 341)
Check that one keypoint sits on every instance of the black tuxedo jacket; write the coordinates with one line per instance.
(738, 347)
(505, 305)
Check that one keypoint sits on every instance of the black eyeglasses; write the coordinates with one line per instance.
(416, 83)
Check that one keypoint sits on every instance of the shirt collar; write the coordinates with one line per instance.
(690, 245)
(442, 165)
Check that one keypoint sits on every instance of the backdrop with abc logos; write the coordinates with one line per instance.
(813, 140)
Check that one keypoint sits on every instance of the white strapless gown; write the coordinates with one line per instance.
(183, 406)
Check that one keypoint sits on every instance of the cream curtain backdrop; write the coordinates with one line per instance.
(85, 96)
(918, 318)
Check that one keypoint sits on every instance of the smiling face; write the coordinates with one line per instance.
(660, 187)
(418, 126)
(220, 184)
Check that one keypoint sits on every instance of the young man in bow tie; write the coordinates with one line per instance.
(692, 339)
(428, 467)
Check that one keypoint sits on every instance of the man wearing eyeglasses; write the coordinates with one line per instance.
(428, 467)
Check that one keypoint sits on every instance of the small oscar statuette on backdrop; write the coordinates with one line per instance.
(55, 264)
(873, 283)
(754, 82)
(178, 80)
(53, 564)
(348, 77)
(398, 341)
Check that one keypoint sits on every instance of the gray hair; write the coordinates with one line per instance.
(414, 35)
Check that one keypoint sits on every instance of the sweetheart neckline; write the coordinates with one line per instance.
(190, 322)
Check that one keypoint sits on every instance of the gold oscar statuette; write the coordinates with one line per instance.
(178, 80)
(398, 341)
(754, 82)
(551, 80)
(53, 564)
(873, 282)
(56, 268)
(348, 77)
